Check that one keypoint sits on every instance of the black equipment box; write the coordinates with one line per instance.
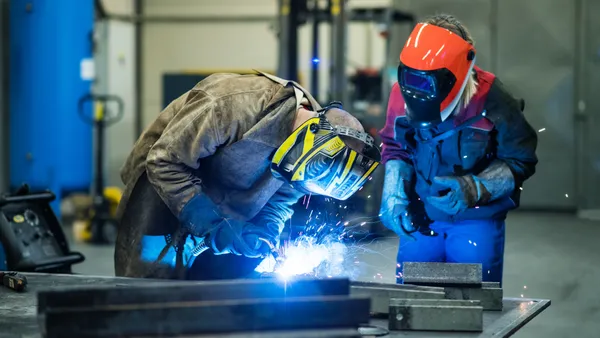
(31, 235)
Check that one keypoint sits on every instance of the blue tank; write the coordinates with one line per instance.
(50, 146)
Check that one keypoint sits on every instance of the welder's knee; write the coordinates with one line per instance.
(424, 249)
(481, 242)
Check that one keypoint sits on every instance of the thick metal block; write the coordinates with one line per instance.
(169, 291)
(490, 297)
(442, 274)
(380, 297)
(435, 315)
(207, 317)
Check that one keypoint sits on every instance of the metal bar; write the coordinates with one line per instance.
(216, 317)
(315, 62)
(396, 286)
(490, 297)
(442, 274)
(435, 315)
(139, 77)
(339, 26)
(186, 19)
(189, 291)
(4, 113)
(355, 15)
(288, 40)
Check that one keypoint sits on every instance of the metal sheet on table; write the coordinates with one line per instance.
(18, 310)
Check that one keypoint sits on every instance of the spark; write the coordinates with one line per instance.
(524, 286)
(521, 188)
(541, 130)
(346, 223)
(470, 242)
(359, 189)
(381, 145)
(370, 178)
(567, 195)
(465, 156)
(488, 272)
(369, 196)
(475, 244)
(363, 223)
(308, 201)
(521, 295)
(398, 265)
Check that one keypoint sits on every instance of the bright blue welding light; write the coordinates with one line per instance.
(316, 60)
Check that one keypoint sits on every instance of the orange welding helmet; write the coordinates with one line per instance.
(434, 68)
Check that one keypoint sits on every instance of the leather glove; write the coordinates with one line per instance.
(200, 215)
(463, 192)
(394, 212)
(240, 238)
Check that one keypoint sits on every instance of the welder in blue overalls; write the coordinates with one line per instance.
(457, 149)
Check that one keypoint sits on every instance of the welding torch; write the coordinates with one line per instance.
(204, 245)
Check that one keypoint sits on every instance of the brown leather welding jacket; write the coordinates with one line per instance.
(217, 139)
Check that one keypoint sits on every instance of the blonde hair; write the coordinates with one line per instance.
(452, 24)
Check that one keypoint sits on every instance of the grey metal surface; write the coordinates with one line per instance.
(339, 43)
(4, 115)
(442, 274)
(490, 297)
(18, 310)
(380, 297)
(435, 315)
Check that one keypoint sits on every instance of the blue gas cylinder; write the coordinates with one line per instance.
(50, 53)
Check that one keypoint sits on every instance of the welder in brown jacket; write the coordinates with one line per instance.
(220, 169)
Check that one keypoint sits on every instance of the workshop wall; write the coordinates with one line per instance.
(172, 47)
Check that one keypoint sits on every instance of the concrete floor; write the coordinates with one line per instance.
(553, 256)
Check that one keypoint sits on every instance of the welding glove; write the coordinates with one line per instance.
(394, 202)
(462, 192)
(240, 238)
(200, 215)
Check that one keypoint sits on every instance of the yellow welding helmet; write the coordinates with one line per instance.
(325, 159)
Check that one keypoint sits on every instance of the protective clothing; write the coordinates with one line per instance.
(491, 128)
(434, 67)
(215, 140)
(463, 192)
(475, 241)
(200, 215)
(324, 159)
(241, 238)
(394, 202)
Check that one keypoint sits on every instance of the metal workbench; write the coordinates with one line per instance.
(18, 311)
